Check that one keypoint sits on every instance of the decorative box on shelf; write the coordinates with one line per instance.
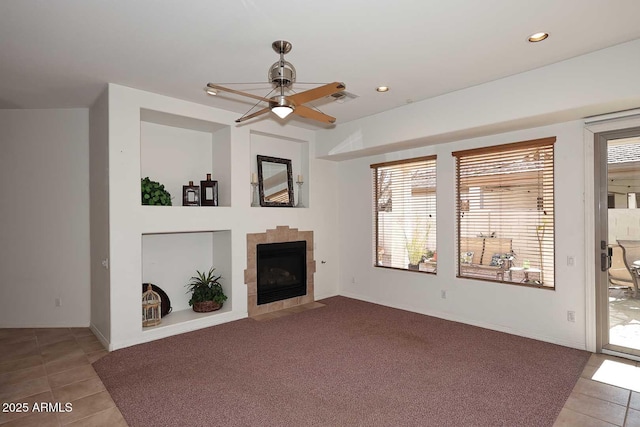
(190, 195)
(208, 192)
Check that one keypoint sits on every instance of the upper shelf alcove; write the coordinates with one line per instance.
(176, 149)
(284, 147)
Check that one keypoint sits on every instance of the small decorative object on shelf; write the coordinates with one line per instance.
(165, 307)
(206, 292)
(190, 195)
(151, 308)
(254, 183)
(208, 192)
(300, 181)
(153, 193)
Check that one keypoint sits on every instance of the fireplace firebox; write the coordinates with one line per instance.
(281, 271)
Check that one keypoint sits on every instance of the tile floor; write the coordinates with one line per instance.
(596, 403)
(54, 365)
(624, 319)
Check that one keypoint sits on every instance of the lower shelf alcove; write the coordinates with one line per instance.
(187, 316)
(169, 260)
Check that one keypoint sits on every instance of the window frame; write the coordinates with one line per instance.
(538, 204)
(431, 165)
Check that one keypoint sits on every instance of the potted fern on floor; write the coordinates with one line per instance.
(206, 292)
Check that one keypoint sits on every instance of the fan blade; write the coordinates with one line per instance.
(316, 93)
(308, 113)
(251, 116)
(237, 92)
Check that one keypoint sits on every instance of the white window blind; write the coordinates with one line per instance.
(404, 212)
(505, 212)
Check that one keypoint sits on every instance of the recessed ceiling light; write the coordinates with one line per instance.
(382, 88)
(538, 37)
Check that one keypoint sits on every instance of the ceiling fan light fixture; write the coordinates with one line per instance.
(211, 91)
(282, 111)
(281, 106)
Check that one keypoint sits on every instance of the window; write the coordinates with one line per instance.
(404, 212)
(505, 213)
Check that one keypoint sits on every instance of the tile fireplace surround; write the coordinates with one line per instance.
(279, 235)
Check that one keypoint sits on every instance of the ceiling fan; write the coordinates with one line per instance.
(282, 75)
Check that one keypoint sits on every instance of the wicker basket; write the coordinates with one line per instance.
(206, 306)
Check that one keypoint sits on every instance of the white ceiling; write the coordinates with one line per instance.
(60, 54)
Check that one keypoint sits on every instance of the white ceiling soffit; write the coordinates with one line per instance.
(59, 54)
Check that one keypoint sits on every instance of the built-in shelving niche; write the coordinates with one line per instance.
(294, 149)
(176, 149)
(169, 260)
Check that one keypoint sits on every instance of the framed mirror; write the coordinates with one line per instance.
(275, 181)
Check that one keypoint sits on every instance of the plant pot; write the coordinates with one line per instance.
(206, 306)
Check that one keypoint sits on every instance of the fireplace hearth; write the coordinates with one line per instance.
(282, 271)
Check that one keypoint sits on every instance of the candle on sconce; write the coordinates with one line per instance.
(300, 178)
(254, 178)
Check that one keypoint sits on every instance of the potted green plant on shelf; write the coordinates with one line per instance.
(206, 292)
(153, 193)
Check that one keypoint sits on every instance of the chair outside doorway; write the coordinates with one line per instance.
(631, 258)
(619, 275)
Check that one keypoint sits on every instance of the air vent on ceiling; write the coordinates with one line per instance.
(344, 96)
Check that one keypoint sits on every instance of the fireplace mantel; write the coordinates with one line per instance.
(278, 235)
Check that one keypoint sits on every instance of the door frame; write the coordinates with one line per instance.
(598, 129)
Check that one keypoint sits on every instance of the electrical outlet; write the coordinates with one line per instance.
(58, 302)
(571, 316)
(443, 294)
(571, 261)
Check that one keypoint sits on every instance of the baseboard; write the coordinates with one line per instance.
(42, 325)
(104, 341)
(177, 329)
(318, 297)
(461, 319)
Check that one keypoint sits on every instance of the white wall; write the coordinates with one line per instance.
(596, 83)
(99, 216)
(624, 224)
(129, 221)
(44, 227)
(531, 312)
(559, 96)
